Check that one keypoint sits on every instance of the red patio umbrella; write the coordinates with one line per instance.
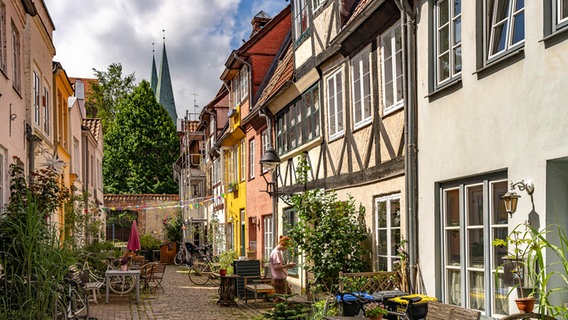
(133, 238)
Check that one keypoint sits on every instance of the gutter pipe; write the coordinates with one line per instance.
(407, 12)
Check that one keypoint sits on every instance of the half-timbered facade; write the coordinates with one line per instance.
(343, 109)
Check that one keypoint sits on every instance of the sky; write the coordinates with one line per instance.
(199, 36)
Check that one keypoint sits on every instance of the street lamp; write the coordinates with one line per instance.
(271, 160)
(511, 198)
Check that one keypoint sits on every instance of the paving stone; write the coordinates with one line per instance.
(181, 299)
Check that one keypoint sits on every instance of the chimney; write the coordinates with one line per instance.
(259, 21)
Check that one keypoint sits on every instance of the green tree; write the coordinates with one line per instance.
(331, 233)
(140, 146)
(108, 93)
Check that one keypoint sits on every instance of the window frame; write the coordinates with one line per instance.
(46, 112)
(337, 115)
(243, 167)
(268, 235)
(390, 35)
(301, 26)
(391, 255)
(316, 4)
(290, 219)
(3, 48)
(36, 88)
(558, 21)
(251, 158)
(492, 217)
(16, 59)
(3, 179)
(491, 7)
(298, 122)
(454, 48)
(358, 63)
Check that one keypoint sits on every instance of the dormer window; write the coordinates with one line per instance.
(240, 86)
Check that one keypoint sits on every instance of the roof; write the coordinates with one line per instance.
(283, 73)
(94, 126)
(192, 125)
(360, 6)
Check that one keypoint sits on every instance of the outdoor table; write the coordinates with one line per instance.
(133, 273)
(227, 289)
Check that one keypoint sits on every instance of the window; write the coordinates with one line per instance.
(76, 157)
(391, 47)
(448, 40)
(298, 122)
(46, 113)
(335, 104)
(251, 159)
(268, 237)
(16, 63)
(472, 216)
(243, 160)
(301, 20)
(3, 57)
(560, 16)
(361, 88)
(240, 86)
(506, 19)
(36, 98)
(265, 144)
(316, 4)
(290, 219)
(387, 235)
(229, 166)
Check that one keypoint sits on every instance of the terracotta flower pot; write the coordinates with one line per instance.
(124, 267)
(379, 317)
(525, 305)
(223, 272)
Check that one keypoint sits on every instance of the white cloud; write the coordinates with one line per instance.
(198, 35)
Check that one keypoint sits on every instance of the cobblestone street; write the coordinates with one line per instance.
(181, 299)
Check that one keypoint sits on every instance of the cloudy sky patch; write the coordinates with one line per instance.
(199, 36)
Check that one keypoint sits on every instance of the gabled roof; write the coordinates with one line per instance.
(283, 73)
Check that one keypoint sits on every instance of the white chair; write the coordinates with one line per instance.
(94, 284)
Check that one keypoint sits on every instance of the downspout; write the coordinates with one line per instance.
(274, 177)
(410, 139)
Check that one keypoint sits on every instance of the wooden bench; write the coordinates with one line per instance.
(257, 284)
(442, 311)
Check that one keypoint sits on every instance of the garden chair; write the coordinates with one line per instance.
(156, 276)
(93, 283)
(146, 274)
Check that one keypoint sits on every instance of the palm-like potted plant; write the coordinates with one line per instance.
(521, 263)
(374, 310)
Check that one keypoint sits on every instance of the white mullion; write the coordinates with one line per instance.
(438, 41)
(512, 15)
(453, 45)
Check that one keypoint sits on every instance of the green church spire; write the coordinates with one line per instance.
(164, 91)
(154, 75)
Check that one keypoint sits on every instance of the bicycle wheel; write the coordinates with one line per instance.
(122, 284)
(79, 306)
(199, 273)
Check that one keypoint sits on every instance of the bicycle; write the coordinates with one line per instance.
(72, 302)
(203, 270)
(185, 255)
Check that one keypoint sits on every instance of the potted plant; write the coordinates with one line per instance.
(519, 264)
(251, 253)
(226, 262)
(374, 310)
(233, 186)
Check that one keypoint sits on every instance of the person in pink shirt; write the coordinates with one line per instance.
(279, 269)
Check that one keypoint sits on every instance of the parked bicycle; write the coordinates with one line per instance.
(185, 254)
(72, 302)
(203, 270)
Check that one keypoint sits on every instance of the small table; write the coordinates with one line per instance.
(113, 273)
(227, 290)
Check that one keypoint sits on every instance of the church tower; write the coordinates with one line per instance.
(163, 90)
